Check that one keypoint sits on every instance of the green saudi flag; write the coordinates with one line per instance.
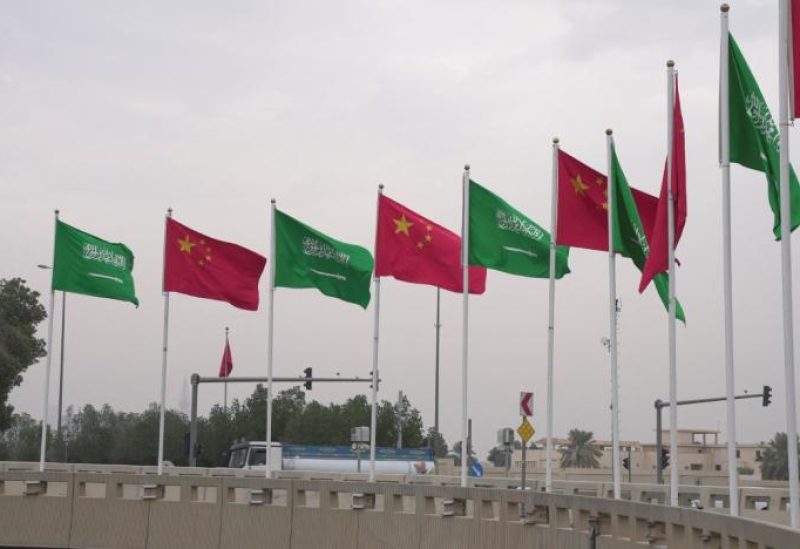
(629, 236)
(754, 138)
(88, 265)
(306, 258)
(504, 239)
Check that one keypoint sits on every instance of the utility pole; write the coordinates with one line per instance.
(399, 414)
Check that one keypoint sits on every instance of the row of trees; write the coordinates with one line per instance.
(103, 435)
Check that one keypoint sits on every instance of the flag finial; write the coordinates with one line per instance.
(272, 201)
(169, 212)
(724, 8)
(466, 167)
(380, 186)
(670, 63)
(56, 211)
(609, 131)
(555, 140)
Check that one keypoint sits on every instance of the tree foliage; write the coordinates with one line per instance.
(20, 314)
(103, 435)
(775, 458)
(581, 451)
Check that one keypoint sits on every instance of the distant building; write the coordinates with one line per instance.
(699, 450)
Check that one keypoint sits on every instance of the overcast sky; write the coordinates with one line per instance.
(113, 112)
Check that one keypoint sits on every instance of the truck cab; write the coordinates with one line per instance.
(253, 455)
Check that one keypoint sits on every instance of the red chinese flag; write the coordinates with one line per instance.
(658, 258)
(226, 365)
(583, 206)
(414, 249)
(200, 266)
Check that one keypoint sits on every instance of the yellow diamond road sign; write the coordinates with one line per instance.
(526, 431)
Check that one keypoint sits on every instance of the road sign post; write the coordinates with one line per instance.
(525, 431)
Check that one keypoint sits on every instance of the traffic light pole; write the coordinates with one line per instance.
(197, 380)
(659, 404)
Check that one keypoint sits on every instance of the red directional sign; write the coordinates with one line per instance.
(526, 404)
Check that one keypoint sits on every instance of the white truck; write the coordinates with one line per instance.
(332, 459)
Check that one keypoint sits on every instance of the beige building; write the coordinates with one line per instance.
(700, 453)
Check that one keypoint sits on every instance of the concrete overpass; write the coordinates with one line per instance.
(121, 506)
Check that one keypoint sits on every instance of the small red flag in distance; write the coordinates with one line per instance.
(201, 266)
(414, 249)
(658, 258)
(226, 365)
(583, 206)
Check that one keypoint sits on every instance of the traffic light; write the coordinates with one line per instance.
(664, 458)
(307, 371)
(766, 396)
(626, 462)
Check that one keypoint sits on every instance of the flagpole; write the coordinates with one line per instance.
(551, 319)
(786, 263)
(674, 469)
(164, 355)
(465, 323)
(438, 327)
(48, 362)
(727, 276)
(612, 319)
(225, 385)
(270, 330)
(375, 337)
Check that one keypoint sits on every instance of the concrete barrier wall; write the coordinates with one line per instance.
(220, 509)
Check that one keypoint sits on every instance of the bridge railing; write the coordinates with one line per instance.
(128, 508)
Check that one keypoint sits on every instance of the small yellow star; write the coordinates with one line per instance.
(428, 238)
(579, 186)
(402, 225)
(429, 228)
(600, 181)
(420, 245)
(186, 244)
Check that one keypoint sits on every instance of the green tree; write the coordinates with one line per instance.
(498, 456)
(775, 458)
(456, 452)
(436, 442)
(581, 451)
(20, 314)
(20, 442)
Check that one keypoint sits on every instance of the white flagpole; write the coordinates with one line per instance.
(612, 320)
(465, 323)
(674, 470)
(373, 435)
(164, 356)
(786, 264)
(270, 330)
(725, 165)
(225, 397)
(48, 361)
(551, 320)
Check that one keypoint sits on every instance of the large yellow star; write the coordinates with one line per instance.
(579, 186)
(186, 244)
(402, 225)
